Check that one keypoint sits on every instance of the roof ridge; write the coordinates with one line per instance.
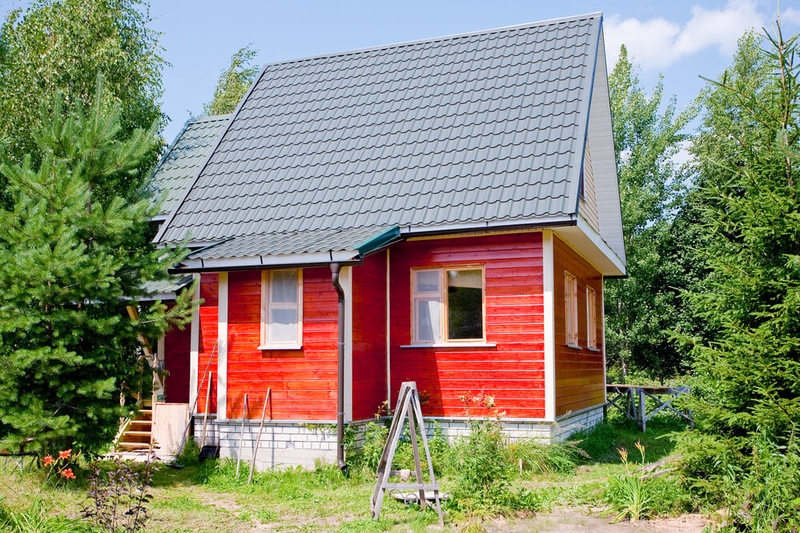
(594, 14)
(209, 118)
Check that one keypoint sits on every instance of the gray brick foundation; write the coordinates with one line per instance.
(289, 443)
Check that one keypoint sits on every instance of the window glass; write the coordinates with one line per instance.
(284, 286)
(427, 306)
(282, 307)
(429, 325)
(283, 325)
(427, 281)
(464, 304)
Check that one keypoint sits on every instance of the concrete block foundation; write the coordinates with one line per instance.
(291, 443)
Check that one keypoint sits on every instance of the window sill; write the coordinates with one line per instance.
(281, 347)
(574, 347)
(452, 345)
(594, 349)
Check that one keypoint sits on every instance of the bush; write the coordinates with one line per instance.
(119, 496)
(366, 455)
(482, 483)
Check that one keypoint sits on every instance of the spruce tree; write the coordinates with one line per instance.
(747, 365)
(74, 251)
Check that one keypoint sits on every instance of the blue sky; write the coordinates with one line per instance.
(679, 39)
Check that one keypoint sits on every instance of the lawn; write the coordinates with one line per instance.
(209, 497)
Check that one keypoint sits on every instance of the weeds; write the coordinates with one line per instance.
(627, 493)
(531, 456)
(36, 519)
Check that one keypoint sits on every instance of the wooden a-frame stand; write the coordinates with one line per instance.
(408, 406)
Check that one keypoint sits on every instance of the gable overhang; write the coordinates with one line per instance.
(604, 163)
(591, 246)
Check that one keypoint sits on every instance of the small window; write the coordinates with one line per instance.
(447, 305)
(281, 308)
(571, 308)
(591, 318)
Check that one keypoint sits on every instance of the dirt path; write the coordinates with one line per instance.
(580, 519)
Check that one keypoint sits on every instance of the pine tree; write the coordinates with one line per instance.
(74, 250)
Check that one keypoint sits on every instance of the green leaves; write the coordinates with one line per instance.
(233, 82)
(642, 309)
(63, 46)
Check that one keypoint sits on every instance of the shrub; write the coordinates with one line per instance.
(482, 483)
(119, 496)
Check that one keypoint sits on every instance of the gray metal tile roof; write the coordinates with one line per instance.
(296, 242)
(177, 169)
(480, 127)
(165, 289)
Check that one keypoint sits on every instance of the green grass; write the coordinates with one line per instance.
(209, 497)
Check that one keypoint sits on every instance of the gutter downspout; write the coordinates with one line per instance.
(340, 371)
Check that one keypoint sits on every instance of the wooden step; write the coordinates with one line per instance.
(134, 445)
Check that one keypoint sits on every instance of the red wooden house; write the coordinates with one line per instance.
(442, 211)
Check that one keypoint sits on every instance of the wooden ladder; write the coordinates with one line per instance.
(408, 407)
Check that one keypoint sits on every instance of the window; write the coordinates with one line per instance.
(591, 318)
(571, 308)
(447, 305)
(281, 308)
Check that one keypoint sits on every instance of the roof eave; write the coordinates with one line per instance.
(267, 261)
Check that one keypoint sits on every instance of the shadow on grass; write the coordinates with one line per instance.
(618, 432)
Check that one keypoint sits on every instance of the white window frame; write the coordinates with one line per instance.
(266, 285)
(571, 309)
(443, 322)
(591, 318)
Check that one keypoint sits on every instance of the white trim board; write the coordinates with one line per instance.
(222, 347)
(388, 333)
(346, 281)
(548, 279)
(194, 345)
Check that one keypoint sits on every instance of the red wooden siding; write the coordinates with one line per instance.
(579, 372)
(209, 319)
(177, 344)
(369, 336)
(513, 371)
(303, 381)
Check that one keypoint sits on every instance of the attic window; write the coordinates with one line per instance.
(281, 309)
(448, 305)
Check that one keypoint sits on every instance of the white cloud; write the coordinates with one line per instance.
(657, 43)
(791, 16)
